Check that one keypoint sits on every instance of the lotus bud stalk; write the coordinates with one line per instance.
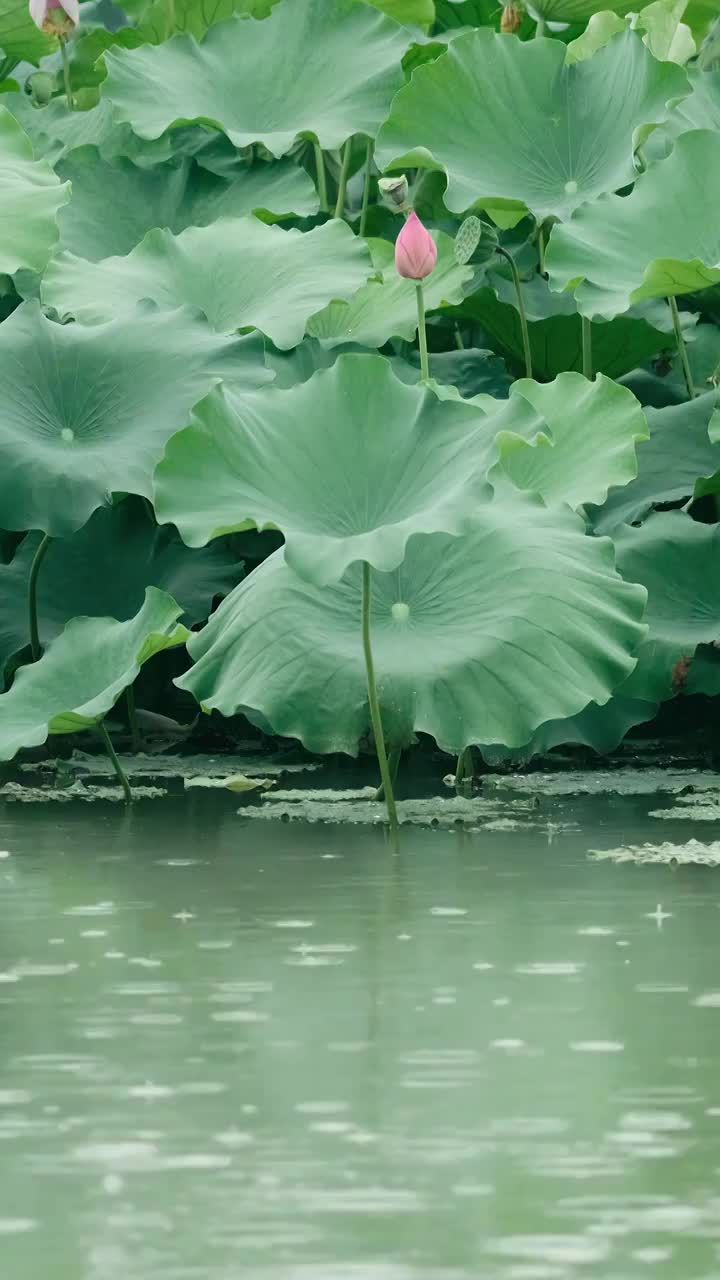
(415, 250)
(55, 17)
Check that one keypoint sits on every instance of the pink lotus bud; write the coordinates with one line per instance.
(415, 250)
(55, 17)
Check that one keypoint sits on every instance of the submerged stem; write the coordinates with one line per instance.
(32, 596)
(66, 73)
(135, 738)
(682, 349)
(521, 309)
(394, 765)
(422, 332)
(342, 183)
(373, 702)
(366, 187)
(114, 761)
(586, 347)
(465, 769)
(321, 178)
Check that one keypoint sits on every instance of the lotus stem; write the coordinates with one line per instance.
(521, 310)
(465, 770)
(114, 761)
(342, 183)
(394, 764)
(459, 339)
(539, 27)
(586, 347)
(66, 73)
(171, 19)
(422, 332)
(321, 177)
(682, 349)
(32, 596)
(133, 725)
(375, 717)
(366, 187)
(541, 248)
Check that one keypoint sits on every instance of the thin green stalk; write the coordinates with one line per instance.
(135, 738)
(521, 310)
(541, 248)
(374, 704)
(342, 182)
(7, 66)
(321, 177)
(394, 765)
(66, 73)
(459, 339)
(32, 596)
(682, 349)
(586, 347)
(465, 769)
(366, 187)
(114, 761)
(422, 332)
(539, 27)
(171, 23)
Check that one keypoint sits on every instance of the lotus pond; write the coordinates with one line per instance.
(269, 1049)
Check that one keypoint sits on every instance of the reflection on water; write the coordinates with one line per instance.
(240, 1049)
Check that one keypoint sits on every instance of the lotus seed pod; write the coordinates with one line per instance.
(415, 250)
(55, 17)
(395, 191)
(511, 18)
(467, 239)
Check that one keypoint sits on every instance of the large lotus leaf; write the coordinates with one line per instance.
(115, 203)
(665, 34)
(555, 328)
(324, 69)
(568, 440)
(56, 131)
(514, 127)
(602, 728)
(104, 569)
(238, 271)
(386, 307)
(20, 39)
(661, 240)
(671, 463)
(347, 465)
(29, 203)
(477, 638)
(88, 411)
(82, 674)
(678, 561)
(701, 108)
(193, 17)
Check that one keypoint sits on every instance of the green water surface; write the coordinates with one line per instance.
(275, 1051)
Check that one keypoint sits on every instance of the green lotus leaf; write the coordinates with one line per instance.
(514, 127)
(477, 638)
(581, 10)
(665, 34)
(386, 307)
(83, 672)
(88, 411)
(619, 250)
(323, 69)
(347, 465)
(555, 328)
(75, 580)
(114, 203)
(55, 131)
(568, 440)
(677, 560)
(192, 18)
(31, 197)
(238, 271)
(20, 39)
(701, 108)
(671, 463)
(602, 728)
